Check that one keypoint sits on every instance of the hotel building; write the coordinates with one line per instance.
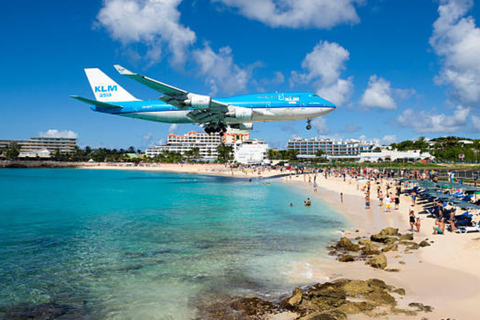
(37, 146)
(207, 143)
(330, 147)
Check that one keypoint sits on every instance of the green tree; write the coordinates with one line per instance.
(225, 152)
(12, 151)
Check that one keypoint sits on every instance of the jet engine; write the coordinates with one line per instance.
(240, 113)
(198, 101)
(242, 126)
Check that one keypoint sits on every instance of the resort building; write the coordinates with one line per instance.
(330, 147)
(251, 152)
(36, 146)
(387, 154)
(206, 143)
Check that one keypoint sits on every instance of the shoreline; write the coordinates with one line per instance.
(443, 275)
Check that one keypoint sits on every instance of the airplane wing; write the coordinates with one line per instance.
(206, 108)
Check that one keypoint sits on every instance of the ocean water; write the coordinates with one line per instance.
(150, 245)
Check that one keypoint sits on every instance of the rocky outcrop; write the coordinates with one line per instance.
(406, 237)
(45, 311)
(378, 261)
(346, 244)
(389, 232)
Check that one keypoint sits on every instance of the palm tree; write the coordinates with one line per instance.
(224, 152)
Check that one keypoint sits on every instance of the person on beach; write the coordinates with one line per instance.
(341, 197)
(388, 204)
(397, 201)
(367, 201)
(412, 220)
(439, 227)
(315, 187)
(380, 198)
(417, 224)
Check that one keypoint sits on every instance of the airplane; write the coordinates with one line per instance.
(215, 115)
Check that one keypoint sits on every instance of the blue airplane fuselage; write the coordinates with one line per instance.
(264, 107)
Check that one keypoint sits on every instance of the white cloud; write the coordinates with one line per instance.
(388, 139)
(456, 39)
(320, 124)
(147, 137)
(475, 123)
(298, 13)
(173, 128)
(279, 78)
(430, 122)
(323, 66)
(219, 70)
(155, 23)
(53, 133)
(378, 94)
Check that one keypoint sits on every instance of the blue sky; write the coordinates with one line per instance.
(397, 69)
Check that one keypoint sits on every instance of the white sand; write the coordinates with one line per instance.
(445, 275)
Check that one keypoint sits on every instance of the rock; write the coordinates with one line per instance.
(253, 306)
(326, 296)
(399, 291)
(346, 258)
(401, 262)
(369, 250)
(380, 298)
(424, 243)
(351, 307)
(390, 247)
(45, 311)
(413, 246)
(407, 237)
(378, 261)
(393, 270)
(383, 238)
(365, 242)
(377, 284)
(389, 232)
(406, 312)
(420, 307)
(333, 315)
(294, 301)
(356, 287)
(346, 245)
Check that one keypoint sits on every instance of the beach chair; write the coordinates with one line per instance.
(475, 228)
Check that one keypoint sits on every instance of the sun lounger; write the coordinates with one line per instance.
(476, 228)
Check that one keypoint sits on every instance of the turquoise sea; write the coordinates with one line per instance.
(150, 245)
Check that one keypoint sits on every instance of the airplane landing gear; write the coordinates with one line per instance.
(220, 129)
(309, 125)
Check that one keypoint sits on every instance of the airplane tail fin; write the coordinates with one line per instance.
(105, 89)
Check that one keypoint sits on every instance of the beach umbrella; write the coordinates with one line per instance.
(467, 205)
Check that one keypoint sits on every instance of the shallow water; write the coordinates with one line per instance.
(149, 245)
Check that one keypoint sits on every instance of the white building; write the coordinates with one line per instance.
(206, 143)
(394, 155)
(42, 154)
(330, 147)
(251, 152)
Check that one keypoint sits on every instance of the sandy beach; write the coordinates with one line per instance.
(443, 275)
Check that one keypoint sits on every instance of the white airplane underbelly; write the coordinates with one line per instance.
(284, 114)
(259, 115)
